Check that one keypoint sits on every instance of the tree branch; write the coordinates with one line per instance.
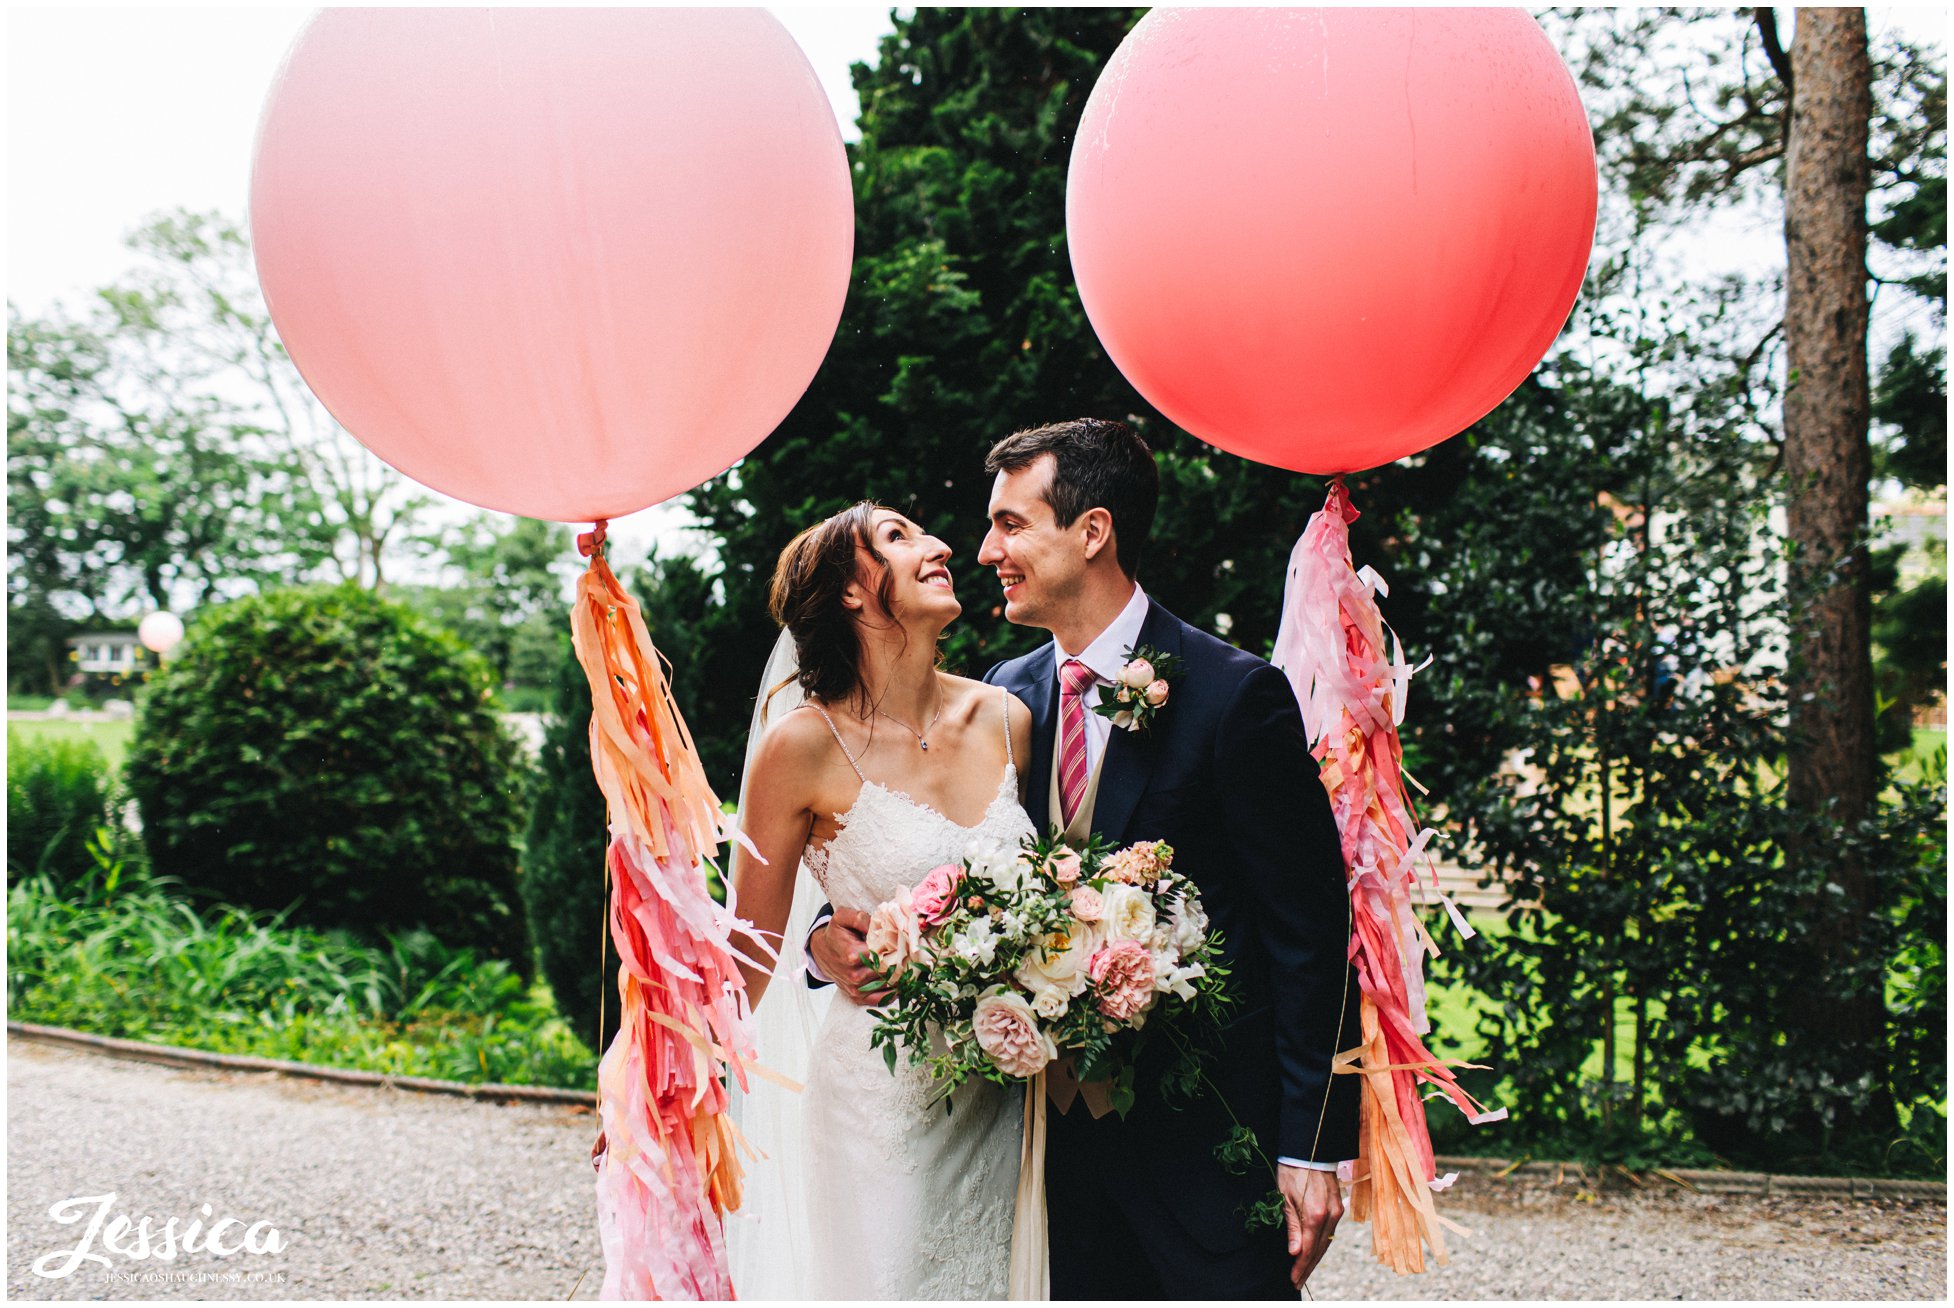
(1767, 29)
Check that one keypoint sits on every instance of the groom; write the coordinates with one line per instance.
(1139, 1208)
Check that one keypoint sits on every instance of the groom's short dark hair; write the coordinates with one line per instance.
(1101, 465)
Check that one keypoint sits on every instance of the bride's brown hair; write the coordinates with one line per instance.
(805, 598)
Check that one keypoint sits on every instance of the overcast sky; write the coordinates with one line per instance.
(115, 114)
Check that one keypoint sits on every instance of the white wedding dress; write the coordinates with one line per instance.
(904, 1200)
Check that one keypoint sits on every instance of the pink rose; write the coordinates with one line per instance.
(1156, 693)
(1087, 906)
(1123, 972)
(1007, 1029)
(1137, 674)
(1065, 866)
(936, 894)
(894, 934)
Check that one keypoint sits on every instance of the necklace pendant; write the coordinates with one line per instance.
(924, 743)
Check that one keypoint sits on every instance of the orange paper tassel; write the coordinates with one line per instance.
(670, 1171)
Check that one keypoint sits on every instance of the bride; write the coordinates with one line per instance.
(867, 767)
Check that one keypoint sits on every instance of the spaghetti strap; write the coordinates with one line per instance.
(1004, 693)
(839, 741)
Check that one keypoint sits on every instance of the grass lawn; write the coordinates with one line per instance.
(111, 737)
(1927, 742)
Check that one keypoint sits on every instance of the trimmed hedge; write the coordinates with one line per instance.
(325, 749)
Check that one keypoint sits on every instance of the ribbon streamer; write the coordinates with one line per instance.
(670, 1171)
(1332, 644)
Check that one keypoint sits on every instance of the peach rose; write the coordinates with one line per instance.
(1138, 674)
(1064, 865)
(936, 893)
(1156, 693)
(894, 934)
(1008, 1031)
(1123, 973)
(1087, 905)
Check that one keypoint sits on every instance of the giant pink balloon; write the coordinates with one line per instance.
(1326, 238)
(564, 263)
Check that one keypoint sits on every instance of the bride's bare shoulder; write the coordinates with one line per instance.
(796, 739)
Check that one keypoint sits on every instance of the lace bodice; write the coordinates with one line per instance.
(886, 840)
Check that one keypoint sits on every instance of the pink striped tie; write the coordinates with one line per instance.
(1074, 677)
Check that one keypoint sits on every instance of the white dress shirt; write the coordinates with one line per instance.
(1103, 656)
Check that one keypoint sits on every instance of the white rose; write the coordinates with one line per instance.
(1190, 927)
(1138, 674)
(1062, 969)
(1129, 913)
(1050, 1003)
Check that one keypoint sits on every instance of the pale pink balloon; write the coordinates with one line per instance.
(564, 263)
(1326, 238)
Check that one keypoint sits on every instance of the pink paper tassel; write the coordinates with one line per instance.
(1332, 644)
(669, 1172)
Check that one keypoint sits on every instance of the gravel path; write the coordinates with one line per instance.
(382, 1194)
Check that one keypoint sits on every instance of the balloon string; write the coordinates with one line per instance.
(589, 542)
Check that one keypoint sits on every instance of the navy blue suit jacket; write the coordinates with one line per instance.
(1224, 775)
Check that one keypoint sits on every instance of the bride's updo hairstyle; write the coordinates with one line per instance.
(805, 598)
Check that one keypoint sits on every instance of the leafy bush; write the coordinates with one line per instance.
(563, 880)
(121, 952)
(57, 794)
(324, 750)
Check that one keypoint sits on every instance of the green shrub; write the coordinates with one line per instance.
(563, 877)
(324, 750)
(123, 952)
(57, 794)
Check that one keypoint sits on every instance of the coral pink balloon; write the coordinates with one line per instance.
(1326, 238)
(564, 263)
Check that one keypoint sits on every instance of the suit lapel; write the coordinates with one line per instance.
(1037, 693)
(1130, 755)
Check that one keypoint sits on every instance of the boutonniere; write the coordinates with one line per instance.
(1145, 681)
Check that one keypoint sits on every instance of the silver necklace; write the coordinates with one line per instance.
(920, 742)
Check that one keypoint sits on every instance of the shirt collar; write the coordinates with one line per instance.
(1104, 655)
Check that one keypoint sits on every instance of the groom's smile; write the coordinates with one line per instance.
(1037, 563)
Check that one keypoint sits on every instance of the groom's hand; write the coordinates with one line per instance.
(1312, 1204)
(838, 949)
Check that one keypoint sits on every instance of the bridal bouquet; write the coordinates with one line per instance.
(1005, 962)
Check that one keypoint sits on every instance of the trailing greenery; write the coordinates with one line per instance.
(120, 952)
(57, 795)
(330, 751)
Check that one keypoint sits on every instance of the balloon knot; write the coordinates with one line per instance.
(589, 542)
(1339, 501)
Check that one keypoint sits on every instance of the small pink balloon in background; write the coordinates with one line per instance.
(160, 631)
(564, 263)
(1327, 238)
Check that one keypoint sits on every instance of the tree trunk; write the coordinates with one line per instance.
(1827, 407)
